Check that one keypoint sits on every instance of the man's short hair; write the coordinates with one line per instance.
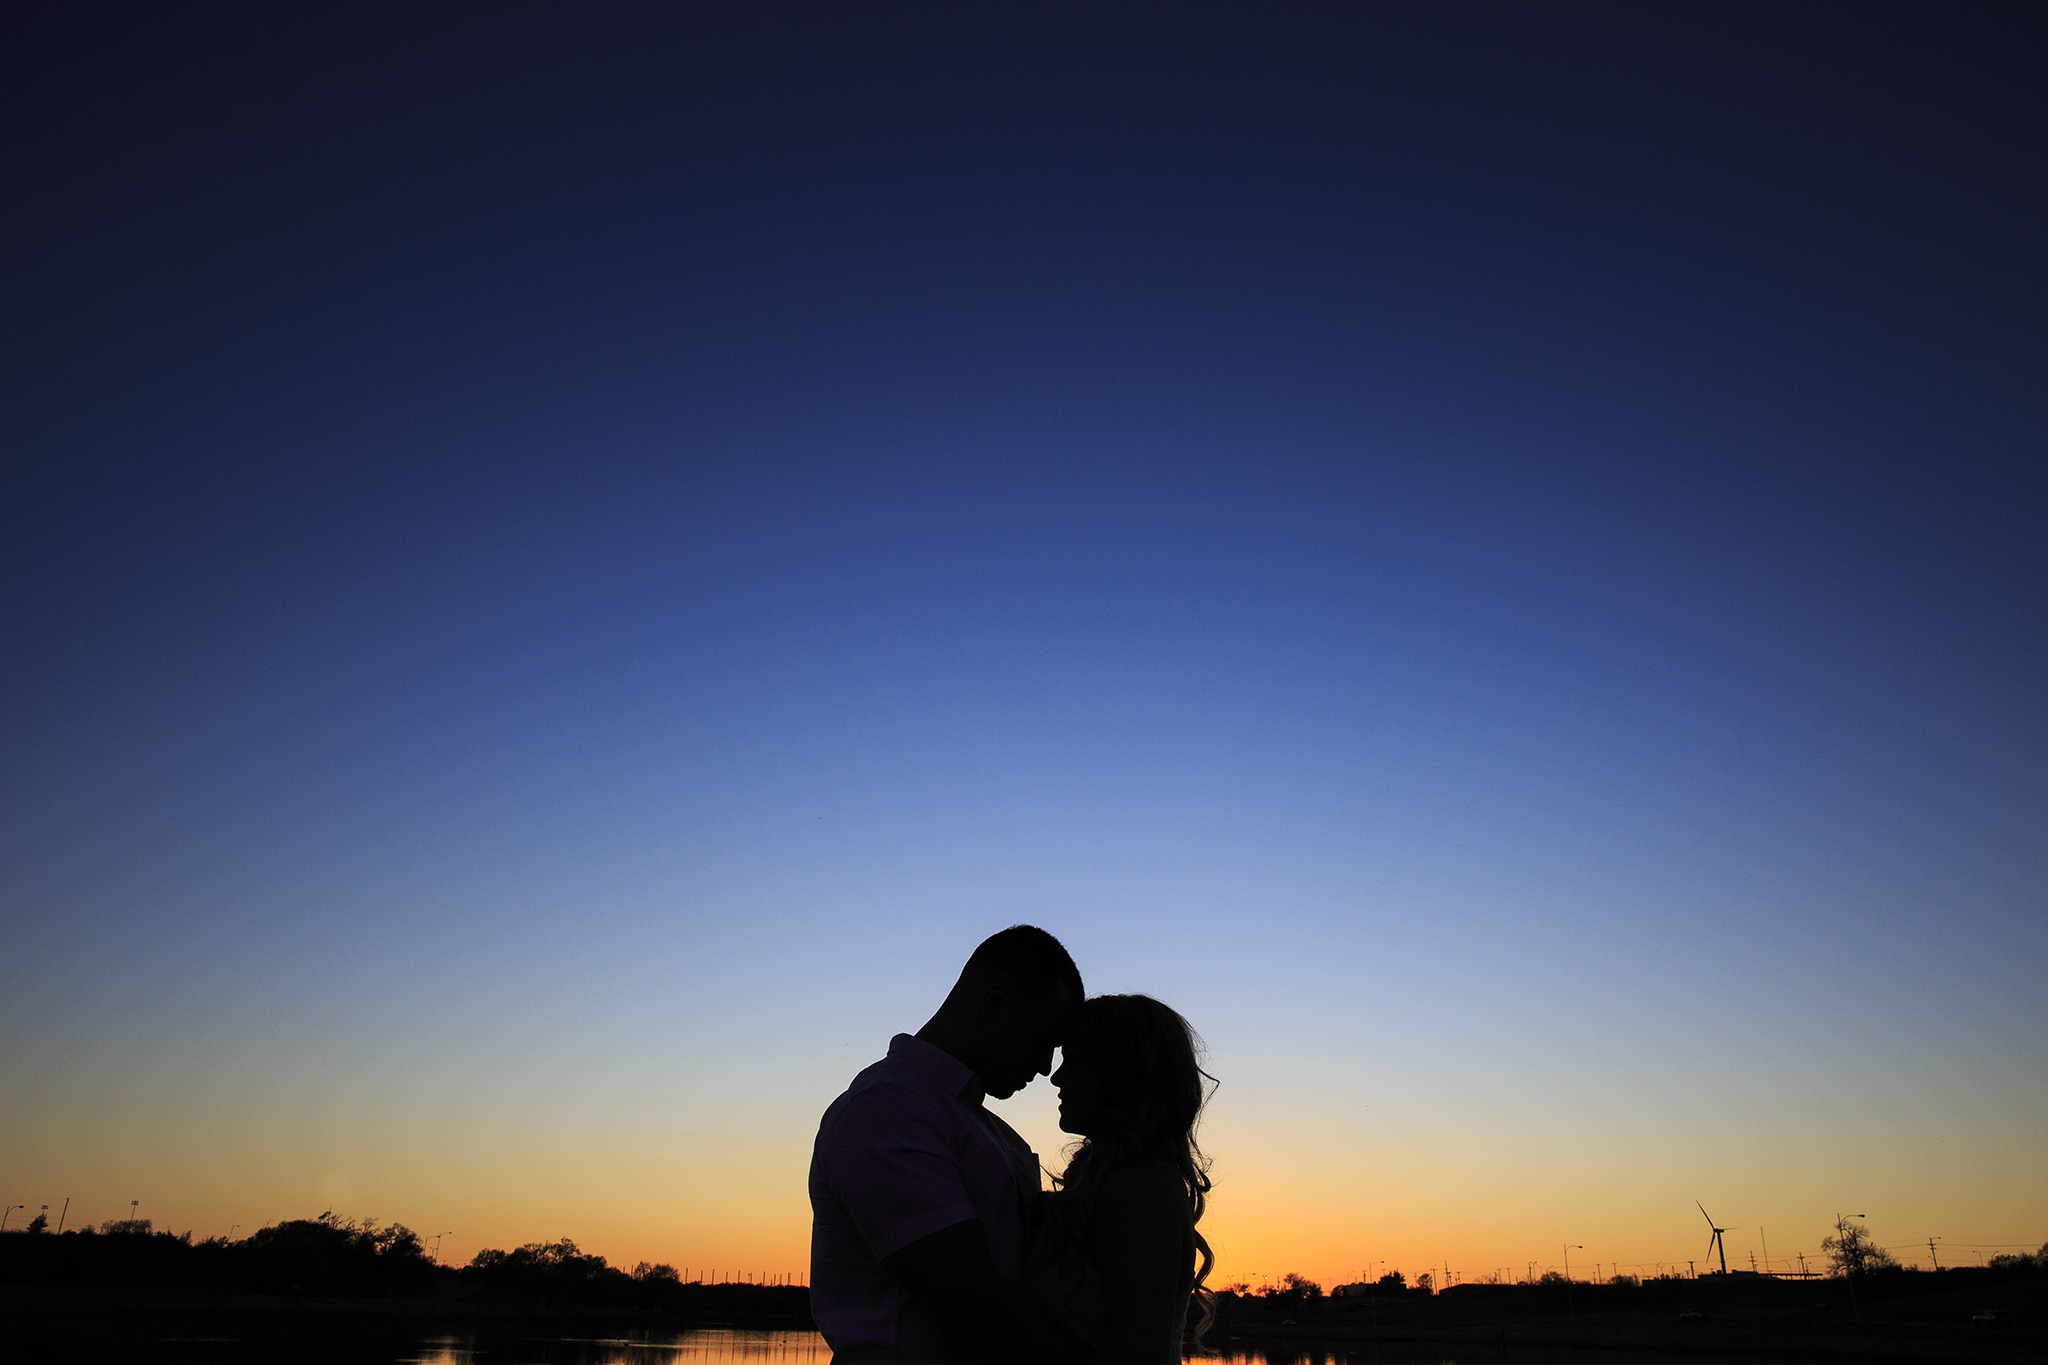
(1028, 954)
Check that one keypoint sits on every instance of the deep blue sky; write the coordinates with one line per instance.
(1373, 527)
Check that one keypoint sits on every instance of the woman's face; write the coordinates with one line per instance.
(1084, 1097)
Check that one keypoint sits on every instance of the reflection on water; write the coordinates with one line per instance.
(341, 1341)
(1278, 1353)
(722, 1346)
(710, 1346)
(1500, 1351)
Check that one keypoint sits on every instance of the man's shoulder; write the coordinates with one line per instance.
(880, 1100)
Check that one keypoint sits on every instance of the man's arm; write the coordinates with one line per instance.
(951, 1274)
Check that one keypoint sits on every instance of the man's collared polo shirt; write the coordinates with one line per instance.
(907, 1150)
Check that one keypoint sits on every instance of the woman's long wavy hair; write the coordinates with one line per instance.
(1148, 1059)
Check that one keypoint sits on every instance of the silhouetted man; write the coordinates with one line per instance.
(920, 1197)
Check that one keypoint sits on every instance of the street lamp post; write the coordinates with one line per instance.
(9, 1213)
(1848, 1268)
(1568, 1272)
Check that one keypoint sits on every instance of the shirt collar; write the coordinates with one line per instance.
(936, 1067)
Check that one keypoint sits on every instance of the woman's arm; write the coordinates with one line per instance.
(1139, 1245)
(952, 1272)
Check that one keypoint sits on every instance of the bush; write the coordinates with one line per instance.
(2022, 1262)
(1292, 1289)
(333, 1255)
(555, 1272)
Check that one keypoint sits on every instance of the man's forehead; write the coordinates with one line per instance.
(1051, 996)
(1060, 1008)
(1045, 1007)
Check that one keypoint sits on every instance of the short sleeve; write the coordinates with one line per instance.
(893, 1165)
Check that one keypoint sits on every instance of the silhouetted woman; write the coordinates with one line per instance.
(1118, 1255)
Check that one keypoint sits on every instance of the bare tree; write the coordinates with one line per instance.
(1852, 1252)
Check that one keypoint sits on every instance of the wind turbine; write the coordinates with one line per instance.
(1714, 1243)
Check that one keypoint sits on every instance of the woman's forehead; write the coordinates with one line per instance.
(1083, 1041)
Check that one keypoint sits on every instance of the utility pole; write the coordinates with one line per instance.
(1932, 1255)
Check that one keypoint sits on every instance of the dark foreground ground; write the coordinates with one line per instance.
(1745, 1319)
(1469, 1325)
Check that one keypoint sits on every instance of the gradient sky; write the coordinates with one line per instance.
(562, 568)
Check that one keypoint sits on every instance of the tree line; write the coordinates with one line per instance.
(1852, 1256)
(335, 1257)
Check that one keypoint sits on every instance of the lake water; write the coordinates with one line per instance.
(384, 1342)
(735, 1347)
(719, 1346)
(371, 1342)
(709, 1346)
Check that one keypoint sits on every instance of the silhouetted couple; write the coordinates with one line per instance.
(932, 1242)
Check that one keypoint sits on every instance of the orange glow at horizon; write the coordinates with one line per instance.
(1319, 1187)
